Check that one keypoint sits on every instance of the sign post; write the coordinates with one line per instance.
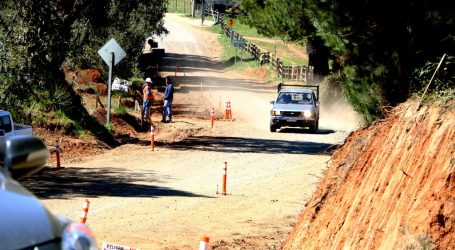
(238, 43)
(235, 58)
(112, 54)
(109, 89)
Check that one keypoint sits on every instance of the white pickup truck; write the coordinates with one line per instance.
(8, 127)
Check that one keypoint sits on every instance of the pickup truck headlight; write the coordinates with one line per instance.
(276, 112)
(308, 114)
(77, 236)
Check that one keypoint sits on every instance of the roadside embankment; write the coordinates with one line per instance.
(390, 186)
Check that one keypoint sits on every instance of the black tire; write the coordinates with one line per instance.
(314, 127)
(272, 128)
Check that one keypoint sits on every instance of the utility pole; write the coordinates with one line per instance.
(193, 8)
(203, 12)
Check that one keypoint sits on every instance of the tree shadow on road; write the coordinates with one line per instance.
(66, 183)
(253, 145)
(186, 63)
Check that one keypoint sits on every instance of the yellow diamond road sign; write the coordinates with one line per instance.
(231, 22)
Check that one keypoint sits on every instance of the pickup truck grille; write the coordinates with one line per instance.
(291, 113)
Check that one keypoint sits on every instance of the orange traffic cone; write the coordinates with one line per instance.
(85, 211)
(204, 243)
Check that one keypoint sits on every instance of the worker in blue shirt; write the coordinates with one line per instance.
(168, 98)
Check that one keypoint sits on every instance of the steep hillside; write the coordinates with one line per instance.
(392, 185)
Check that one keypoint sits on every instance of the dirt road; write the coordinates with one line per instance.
(167, 199)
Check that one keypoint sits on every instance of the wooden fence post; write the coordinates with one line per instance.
(304, 74)
(279, 68)
(299, 73)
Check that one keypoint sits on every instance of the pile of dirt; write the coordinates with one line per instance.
(390, 186)
(81, 79)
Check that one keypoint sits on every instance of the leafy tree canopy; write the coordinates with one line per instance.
(374, 46)
(38, 38)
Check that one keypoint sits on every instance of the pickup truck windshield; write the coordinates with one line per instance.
(294, 98)
(5, 123)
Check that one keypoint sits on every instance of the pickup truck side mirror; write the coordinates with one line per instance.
(272, 102)
(23, 155)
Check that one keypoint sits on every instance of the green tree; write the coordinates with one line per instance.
(287, 19)
(129, 22)
(375, 45)
(38, 37)
(380, 43)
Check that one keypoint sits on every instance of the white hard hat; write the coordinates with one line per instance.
(148, 80)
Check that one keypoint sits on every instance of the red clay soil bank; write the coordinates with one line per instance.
(391, 186)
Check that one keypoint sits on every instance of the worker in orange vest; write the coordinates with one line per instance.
(148, 96)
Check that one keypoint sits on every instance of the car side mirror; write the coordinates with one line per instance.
(2, 132)
(272, 102)
(23, 155)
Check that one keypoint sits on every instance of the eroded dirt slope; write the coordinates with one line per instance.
(391, 186)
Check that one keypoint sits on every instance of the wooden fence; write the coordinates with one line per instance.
(299, 73)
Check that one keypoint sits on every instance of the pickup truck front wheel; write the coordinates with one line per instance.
(273, 128)
(314, 127)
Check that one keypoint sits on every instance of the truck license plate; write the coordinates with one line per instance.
(291, 119)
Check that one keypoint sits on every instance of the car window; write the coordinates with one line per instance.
(294, 98)
(5, 123)
(284, 98)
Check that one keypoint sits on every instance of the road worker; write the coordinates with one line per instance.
(148, 97)
(168, 98)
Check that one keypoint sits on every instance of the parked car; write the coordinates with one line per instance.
(8, 127)
(297, 106)
(25, 222)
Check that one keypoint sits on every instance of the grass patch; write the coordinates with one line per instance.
(284, 51)
(121, 110)
(230, 56)
(246, 30)
(248, 60)
(110, 127)
(81, 132)
(62, 119)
